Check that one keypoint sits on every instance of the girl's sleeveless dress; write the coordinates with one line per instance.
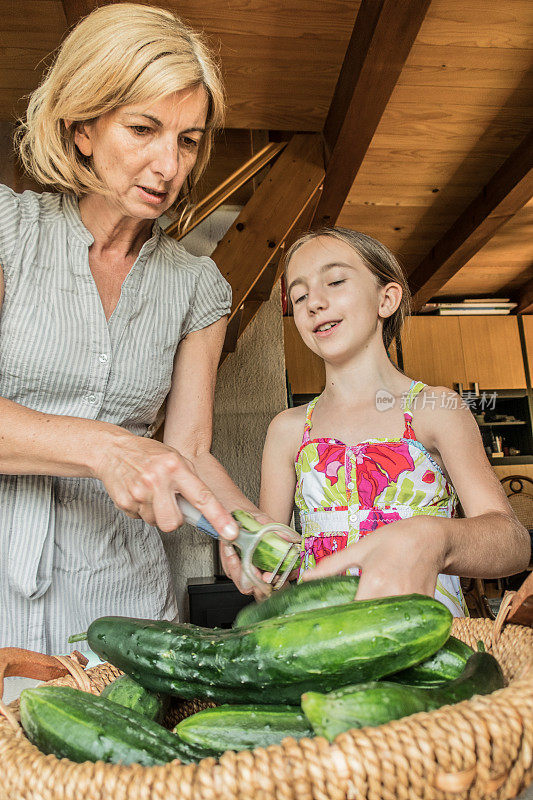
(345, 492)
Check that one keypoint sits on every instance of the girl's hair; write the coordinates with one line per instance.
(119, 54)
(379, 260)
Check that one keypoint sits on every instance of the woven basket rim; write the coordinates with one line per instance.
(457, 746)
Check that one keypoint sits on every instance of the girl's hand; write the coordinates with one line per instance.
(143, 476)
(232, 566)
(403, 557)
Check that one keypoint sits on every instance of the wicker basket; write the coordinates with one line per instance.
(476, 749)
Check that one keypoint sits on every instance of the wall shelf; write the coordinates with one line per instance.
(492, 424)
(508, 460)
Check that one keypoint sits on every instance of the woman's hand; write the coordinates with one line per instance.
(143, 476)
(403, 557)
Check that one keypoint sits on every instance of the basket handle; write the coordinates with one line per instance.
(516, 607)
(17, 662)
(521, 610)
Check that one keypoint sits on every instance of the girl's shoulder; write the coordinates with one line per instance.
(435, 398)
(438, 411)
(288, 426)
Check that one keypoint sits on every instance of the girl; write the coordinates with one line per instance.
(378, 453)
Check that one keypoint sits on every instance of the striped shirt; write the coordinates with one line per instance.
(67, 554)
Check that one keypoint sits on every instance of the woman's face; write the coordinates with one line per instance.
(144, 152)
(336, 299)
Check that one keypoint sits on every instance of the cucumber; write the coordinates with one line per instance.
(276, 660)
(216, 730)
(82, 727)
(130, 694)
(378, 702)
(332, 591)
(444, 665)
(270, 550)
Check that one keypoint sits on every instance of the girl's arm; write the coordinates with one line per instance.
(141, 475)
(490, 541)
(189, 421)
(278, 476)
(406, 556)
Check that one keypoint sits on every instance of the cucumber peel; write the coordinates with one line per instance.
(270, 550)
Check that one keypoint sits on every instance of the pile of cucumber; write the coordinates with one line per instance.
(307, 661)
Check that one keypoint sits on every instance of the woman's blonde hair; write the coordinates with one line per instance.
(380, 261)
(119, 54)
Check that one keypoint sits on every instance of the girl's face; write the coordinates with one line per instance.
(144, 152)
(337, 301)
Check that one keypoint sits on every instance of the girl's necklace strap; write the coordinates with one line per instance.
(308, 414)
(414, 390)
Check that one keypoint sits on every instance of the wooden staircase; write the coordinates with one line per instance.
(280, 209)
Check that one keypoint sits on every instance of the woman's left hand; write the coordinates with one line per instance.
(403, 557)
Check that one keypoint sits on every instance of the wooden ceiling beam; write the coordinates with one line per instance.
(381, 40)
(510, 188)
(265, 222)
(76, 9)
(263, 287)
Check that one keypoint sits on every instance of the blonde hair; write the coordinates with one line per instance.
(380, 261)
(119, 54)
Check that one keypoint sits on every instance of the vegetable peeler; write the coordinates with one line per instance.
(247, 542)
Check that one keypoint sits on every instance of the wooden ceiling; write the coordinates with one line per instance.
(460, 107)
(462, 104)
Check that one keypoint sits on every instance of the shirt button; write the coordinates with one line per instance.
(91, 398)
(102, 358)
(351, 485)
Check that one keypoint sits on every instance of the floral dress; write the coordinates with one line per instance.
(345, 492)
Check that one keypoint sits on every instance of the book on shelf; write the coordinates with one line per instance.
(448, 312)
(489, 301)
(477, 305)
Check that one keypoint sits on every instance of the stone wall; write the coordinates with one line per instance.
(250, 391)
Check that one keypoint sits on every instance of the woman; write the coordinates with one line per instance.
(102, 317)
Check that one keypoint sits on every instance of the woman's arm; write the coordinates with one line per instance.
(406, 556)
(141, 476)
